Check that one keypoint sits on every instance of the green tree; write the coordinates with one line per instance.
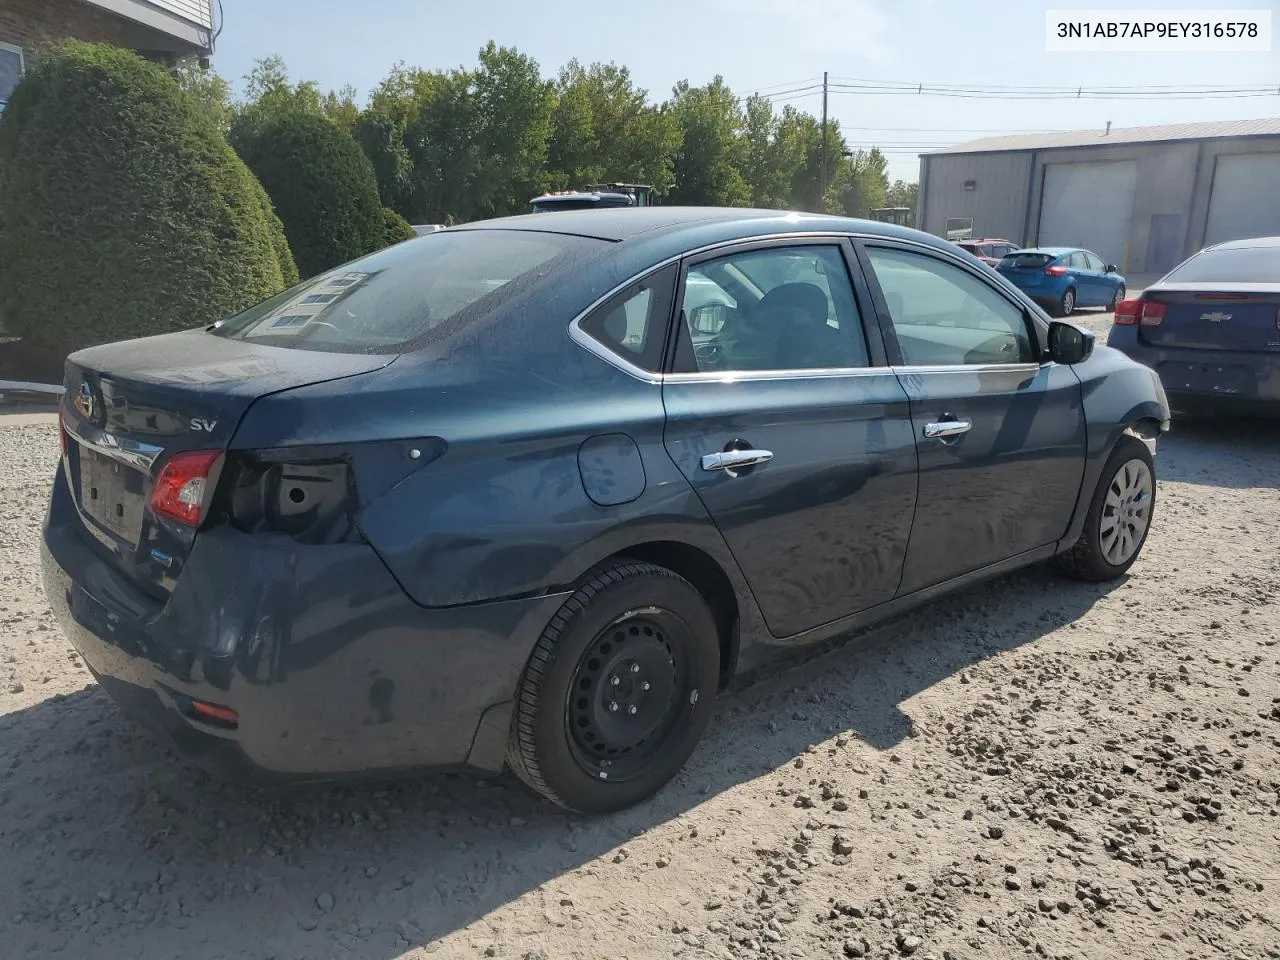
(125, 211)
(321, 183)
(605, 130)
(380, 130)
(860, 183)
(340, 107)
(705, 167)
(210, 92)
(903, 194)
(513, 107)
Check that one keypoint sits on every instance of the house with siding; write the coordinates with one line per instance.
(163, 30)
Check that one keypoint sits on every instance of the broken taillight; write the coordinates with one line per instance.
(180, 490)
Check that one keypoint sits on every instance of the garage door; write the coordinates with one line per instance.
(1245, 198)
(1089, 205)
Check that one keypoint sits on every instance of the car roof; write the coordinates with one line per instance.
(668, 231)
(1247, 244)
(1052, 251)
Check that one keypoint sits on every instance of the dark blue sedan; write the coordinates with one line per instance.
(532, 491)
(1211, 329)
(1063, 278)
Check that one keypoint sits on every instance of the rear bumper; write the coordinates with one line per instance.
(333, 671)
(1227, 381)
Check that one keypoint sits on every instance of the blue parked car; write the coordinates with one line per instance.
(532, 491)
(1211, 329)
(1063, 278)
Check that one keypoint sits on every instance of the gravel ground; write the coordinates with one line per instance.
(1033, 768)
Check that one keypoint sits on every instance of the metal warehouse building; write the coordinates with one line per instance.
(1142, 197)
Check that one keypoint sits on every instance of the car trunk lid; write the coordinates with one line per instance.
(1225, 316)
(130, 408)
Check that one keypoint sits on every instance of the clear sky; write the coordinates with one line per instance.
(768, 45)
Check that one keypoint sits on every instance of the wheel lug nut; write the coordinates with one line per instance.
(615, 680)
(645, 685)
(635, 668)
(631, 710)
(613, 706)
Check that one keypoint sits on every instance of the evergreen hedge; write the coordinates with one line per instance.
(321, 184)
(124, 212)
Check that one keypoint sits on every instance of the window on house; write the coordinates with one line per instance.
(10, 72)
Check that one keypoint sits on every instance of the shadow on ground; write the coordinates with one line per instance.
(115, 848)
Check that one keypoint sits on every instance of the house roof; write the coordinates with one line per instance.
(1269, 126)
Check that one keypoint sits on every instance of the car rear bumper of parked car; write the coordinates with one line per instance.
(1208, 381)
(272, 660)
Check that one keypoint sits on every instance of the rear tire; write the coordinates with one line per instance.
(1117, 297)
(1119, 517)
(1067, 305)
(618, 691)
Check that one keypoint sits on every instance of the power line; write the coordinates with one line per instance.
(1158, 89)
(1048, 93)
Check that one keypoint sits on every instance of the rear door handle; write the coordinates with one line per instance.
(731, 460)
(946, 428)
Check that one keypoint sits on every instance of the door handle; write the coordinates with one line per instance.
(731, 460)
(946, 428)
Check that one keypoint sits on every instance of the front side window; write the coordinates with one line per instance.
(11, 66)
(780, 308)
(1095, 263)
(945, 316)
(398, 297)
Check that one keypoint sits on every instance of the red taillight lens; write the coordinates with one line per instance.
(1152, 314)
(1055, 271)
(180, 489)
(218, 714)
(1127, 312)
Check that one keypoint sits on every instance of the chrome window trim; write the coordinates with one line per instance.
(598, 349)
(132, 453)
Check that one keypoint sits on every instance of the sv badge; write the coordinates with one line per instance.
(203, 426)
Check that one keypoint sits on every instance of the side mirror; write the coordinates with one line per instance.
(1112, 268)
(1068, 343)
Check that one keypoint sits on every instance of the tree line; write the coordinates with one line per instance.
(456, 145)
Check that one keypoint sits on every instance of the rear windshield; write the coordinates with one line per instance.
(1239, 265)
(1024, 260)
(386, 301)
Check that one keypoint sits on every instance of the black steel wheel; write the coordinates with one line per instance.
(618, 690)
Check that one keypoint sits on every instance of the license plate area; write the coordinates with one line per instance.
(112, 495)
(1226, 379)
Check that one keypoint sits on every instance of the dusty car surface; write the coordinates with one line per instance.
(531, 491)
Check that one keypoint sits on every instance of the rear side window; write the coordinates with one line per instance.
(778, 308)
(633, 323)
(389, 300)
(1238, 265)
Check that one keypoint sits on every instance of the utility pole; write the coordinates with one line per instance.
(822, 194)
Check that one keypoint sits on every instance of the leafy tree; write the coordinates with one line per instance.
(380, 130)
(125, 211)
(860, 184)
(209, 91)
(903, 194)
(605, 130)
(322, 186)
(705, 167)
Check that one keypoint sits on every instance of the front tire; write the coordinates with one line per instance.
(618, 691)
(1119, 517)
